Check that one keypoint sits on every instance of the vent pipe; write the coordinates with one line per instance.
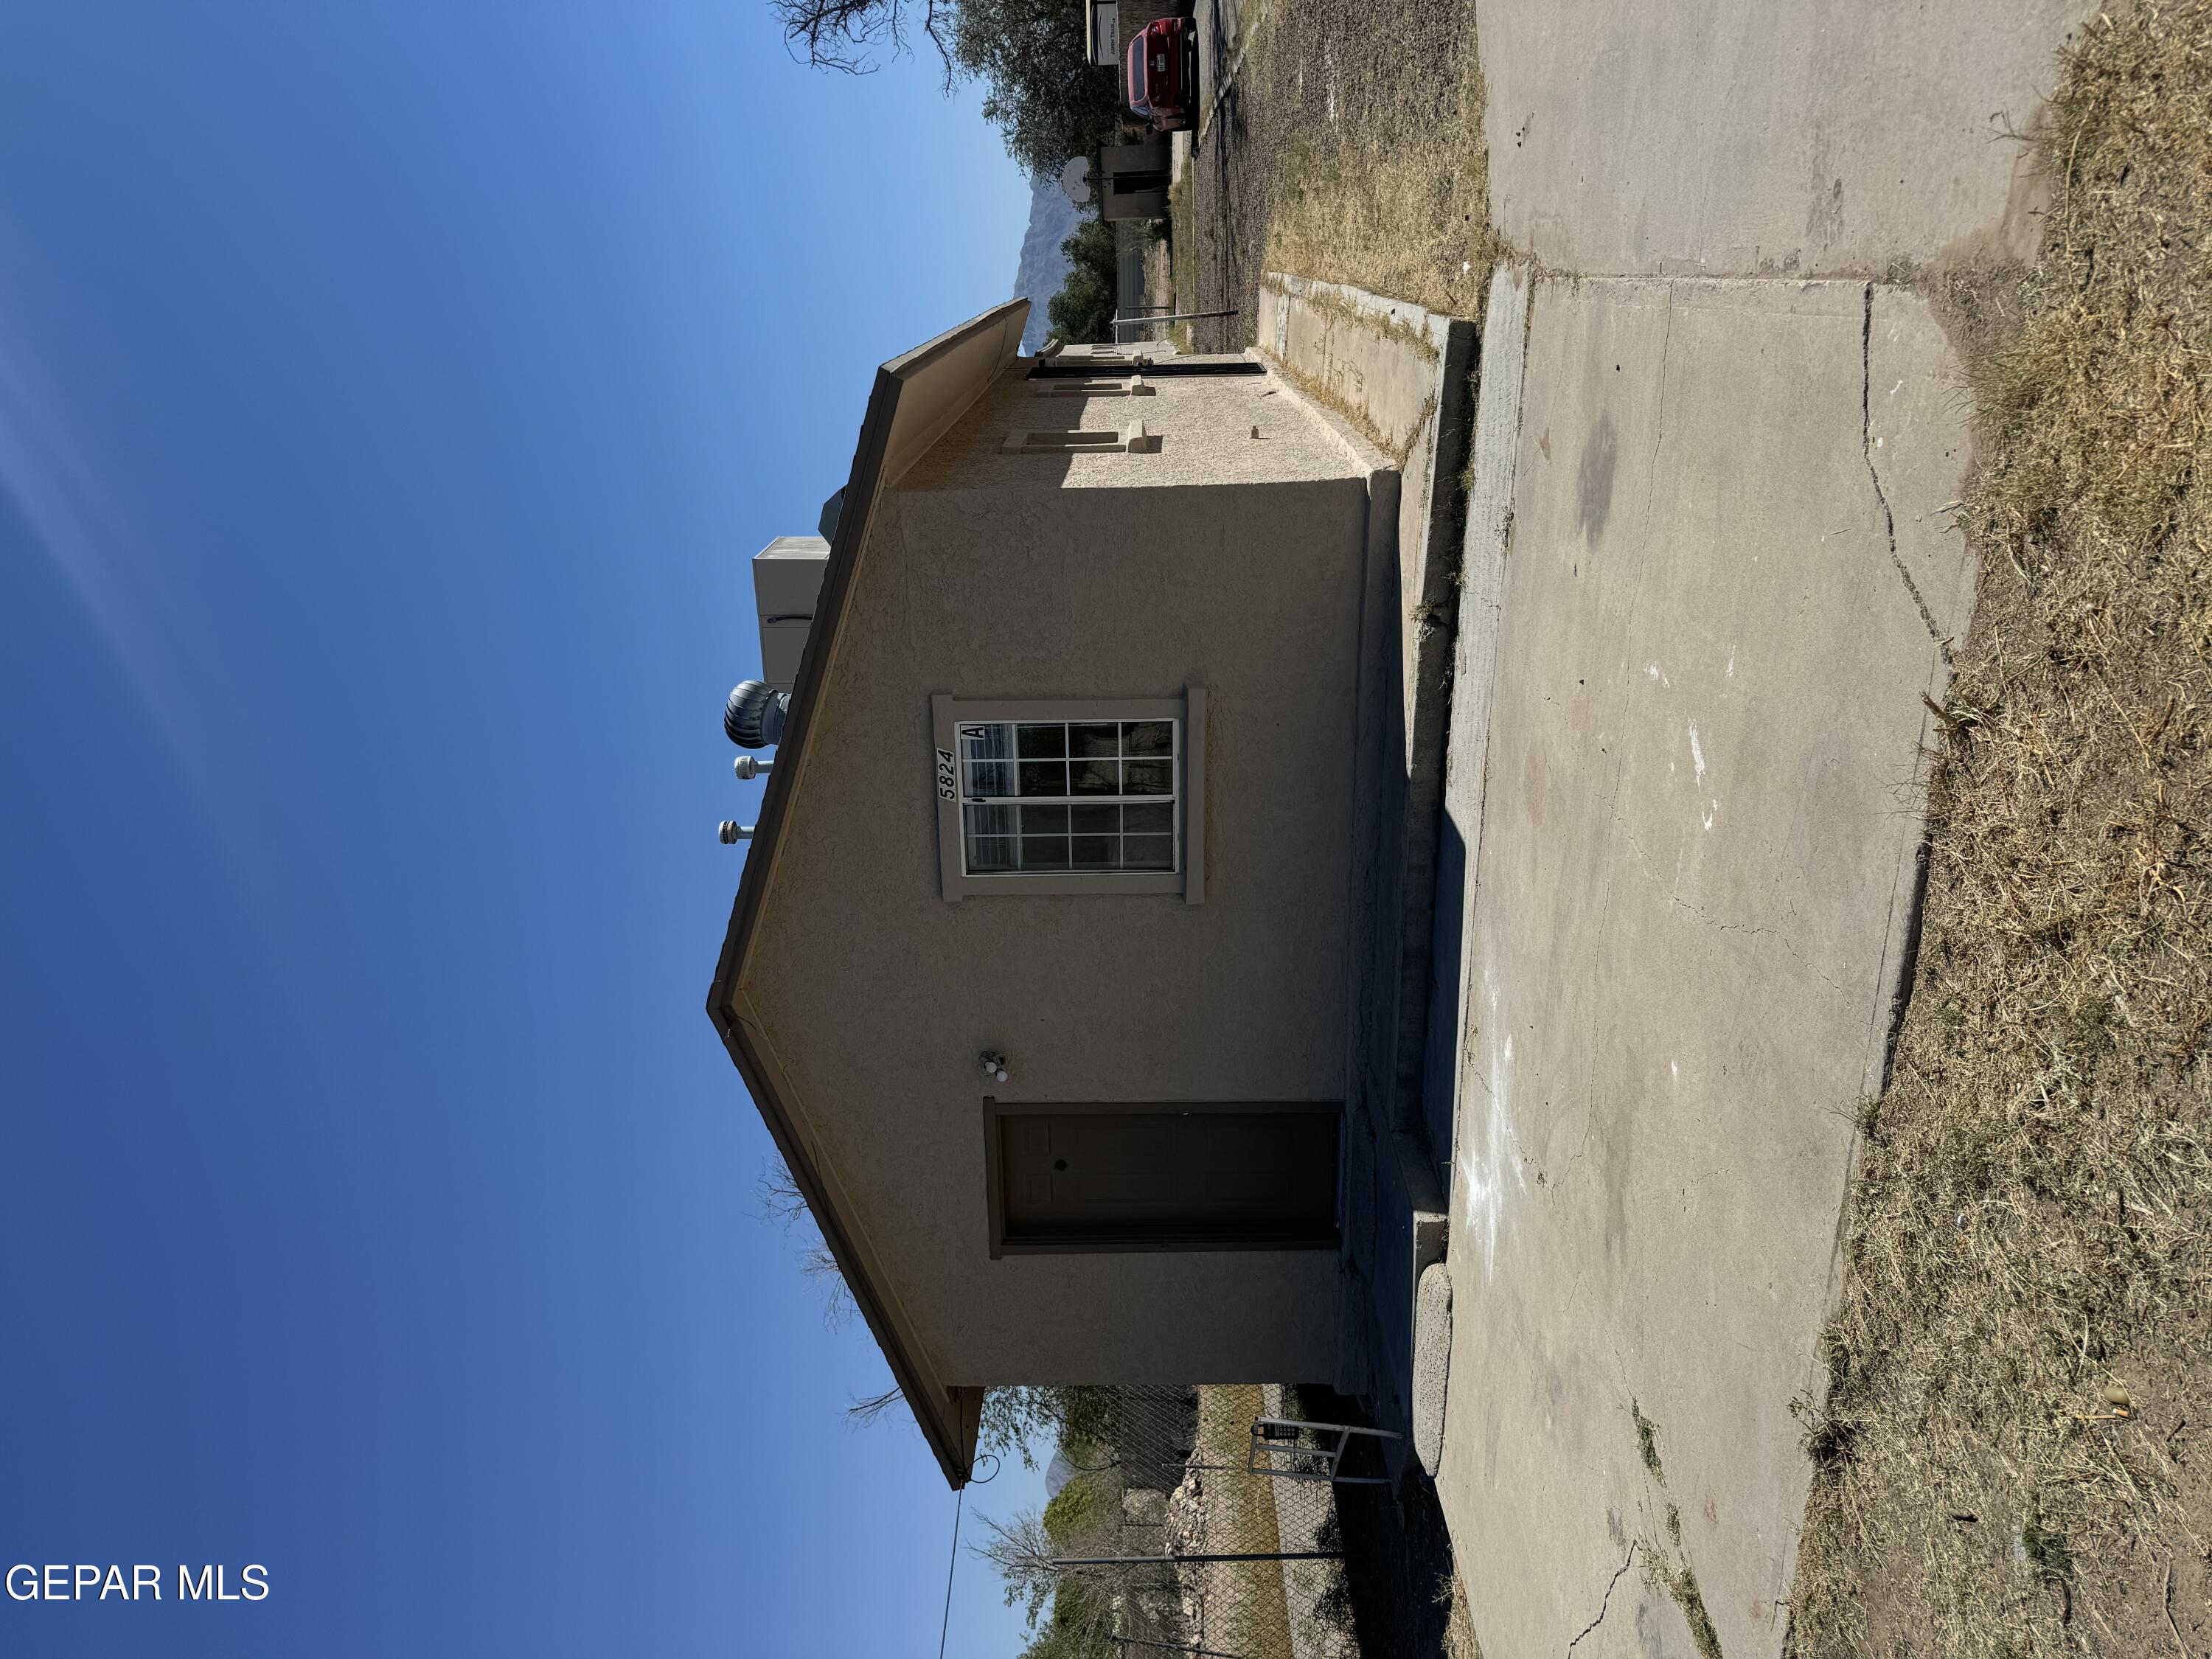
(754, 716)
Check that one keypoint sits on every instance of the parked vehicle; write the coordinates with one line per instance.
(1161, 67)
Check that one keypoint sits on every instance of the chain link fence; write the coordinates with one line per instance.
(1189, 1523)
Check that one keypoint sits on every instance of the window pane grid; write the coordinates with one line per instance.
(1069, 796)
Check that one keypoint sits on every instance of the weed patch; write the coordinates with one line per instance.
(2013, 1455)
(1681, 1583)
(1350, 148)
(1647, 1441)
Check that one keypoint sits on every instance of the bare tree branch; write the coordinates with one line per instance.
(1046, 97)
(847, 35)
(1022, 1550)
(861, 1413)
(1081, 1598)
(781, 1202)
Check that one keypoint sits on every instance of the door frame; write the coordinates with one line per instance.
(993, 1175)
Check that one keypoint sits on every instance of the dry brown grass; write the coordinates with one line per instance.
(1397, 204)
(1183, 245)
(1460, 1639)
(2015, 1453)
(1349, 146)
(1246, 1611)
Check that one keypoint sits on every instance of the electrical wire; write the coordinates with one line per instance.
(959, 1498)
(945, 1628)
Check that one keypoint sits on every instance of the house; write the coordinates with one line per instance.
(1133, 180)
(1049, 959)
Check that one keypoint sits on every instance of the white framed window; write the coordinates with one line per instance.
(1069, 797)
(1060, 796)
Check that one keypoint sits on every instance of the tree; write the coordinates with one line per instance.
(1082, 312)
(781, 1202)
(1015, 1420)
(846, 34)
(1027, 1556)
(1048, 99)
(1026, 1551)
(1081, 1626)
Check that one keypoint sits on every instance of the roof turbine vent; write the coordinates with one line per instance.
(754, 716)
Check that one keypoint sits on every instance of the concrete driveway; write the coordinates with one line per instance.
(1717, 138)
(1688, 724)
(1729, 574)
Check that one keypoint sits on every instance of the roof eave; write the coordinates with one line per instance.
(949, 1417)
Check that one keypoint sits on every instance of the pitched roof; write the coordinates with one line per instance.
(915, 398)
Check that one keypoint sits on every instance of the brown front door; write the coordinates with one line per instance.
(1153, 1178)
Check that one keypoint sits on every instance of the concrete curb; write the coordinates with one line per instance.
(1394, 350)
(1432, 1328)
(1402, 374)
(1482, 588)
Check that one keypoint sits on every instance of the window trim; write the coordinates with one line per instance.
(955, 884)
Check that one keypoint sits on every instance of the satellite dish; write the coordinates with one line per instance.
(1075, 179)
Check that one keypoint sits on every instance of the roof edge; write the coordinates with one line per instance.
(949, 1417)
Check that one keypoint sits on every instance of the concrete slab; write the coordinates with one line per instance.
(1735, 136)
(1400, 374)
(1700, 828)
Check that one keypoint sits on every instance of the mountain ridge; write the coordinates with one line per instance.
(1043, 268)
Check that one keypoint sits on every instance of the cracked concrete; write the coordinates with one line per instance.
(1606, 1602)
(1868, 444)
(1711, 137)
(1726, 592)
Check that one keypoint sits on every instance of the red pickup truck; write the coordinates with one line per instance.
(1162, 66)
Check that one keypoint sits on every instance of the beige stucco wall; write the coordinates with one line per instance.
(1205, 422)
(1000, 576)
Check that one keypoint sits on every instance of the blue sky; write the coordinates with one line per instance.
(390, 399)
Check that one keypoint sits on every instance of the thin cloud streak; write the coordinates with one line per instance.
(71, 520)
(132, 602)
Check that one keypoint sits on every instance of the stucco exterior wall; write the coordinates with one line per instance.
(996, 576)
(1205, 424)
